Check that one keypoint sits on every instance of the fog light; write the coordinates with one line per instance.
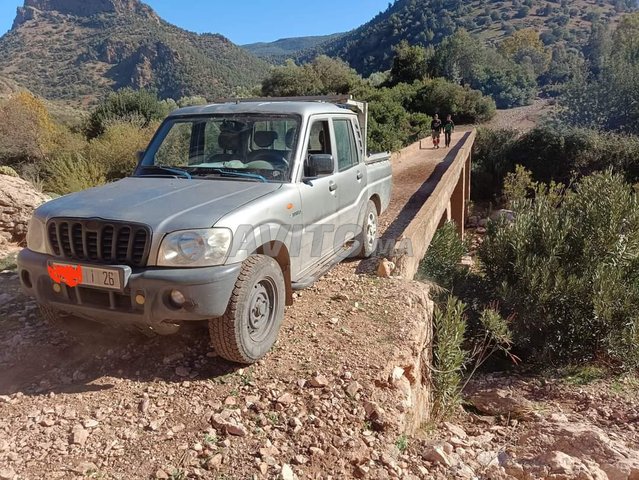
(177, 298)
(57, 288)
(140, 299)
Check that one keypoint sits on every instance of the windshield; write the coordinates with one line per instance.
(254, 148)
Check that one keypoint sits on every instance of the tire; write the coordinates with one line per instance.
(253, 317)
(367, 238)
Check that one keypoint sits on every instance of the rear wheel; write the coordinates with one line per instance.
(253, 317)
(367, 239)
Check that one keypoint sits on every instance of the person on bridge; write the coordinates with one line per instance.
(449, 128)
(436, 127)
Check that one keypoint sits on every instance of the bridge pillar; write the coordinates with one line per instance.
(458, 200)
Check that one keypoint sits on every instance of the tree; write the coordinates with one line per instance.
(597, 47)
(525, 47)
(409, 63)
(138, 106)
(322, 76)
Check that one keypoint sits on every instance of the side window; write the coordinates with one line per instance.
(345, 144)
(320, 138)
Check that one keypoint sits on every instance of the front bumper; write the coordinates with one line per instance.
(206, 289)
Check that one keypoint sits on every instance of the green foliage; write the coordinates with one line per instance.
(5, 170)
(443, 97)
(442, 263)
(322, 76)
(72, 173)
(567, 268)
(605, 99)
(139, 106)
(409, 63)
(449, 357)
(582, 151)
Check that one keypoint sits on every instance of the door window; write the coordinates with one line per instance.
(345, 144)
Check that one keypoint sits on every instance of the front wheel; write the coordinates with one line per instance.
(367, 239)
(253, 317)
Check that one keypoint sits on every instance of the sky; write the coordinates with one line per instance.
(249, 21)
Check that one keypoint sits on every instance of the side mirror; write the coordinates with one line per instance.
(320, 165)
(139, 155)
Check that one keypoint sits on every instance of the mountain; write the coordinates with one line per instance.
(279, 50)
(369, 48)
(81, 49)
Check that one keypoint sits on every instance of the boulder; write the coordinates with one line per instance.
(18, 199)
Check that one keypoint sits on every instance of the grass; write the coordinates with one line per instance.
(583, 374)
(402, 443)
(9, 262)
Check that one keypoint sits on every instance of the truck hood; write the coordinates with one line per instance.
(163, 204)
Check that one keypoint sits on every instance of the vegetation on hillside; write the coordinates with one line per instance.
(87, 57)
(369, 48)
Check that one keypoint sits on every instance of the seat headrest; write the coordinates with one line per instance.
(264, 139)
(290, 137)
(229, 141)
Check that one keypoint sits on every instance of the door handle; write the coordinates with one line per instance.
(360, 175)
(332, 186)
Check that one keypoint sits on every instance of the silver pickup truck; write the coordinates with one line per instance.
(231, 208)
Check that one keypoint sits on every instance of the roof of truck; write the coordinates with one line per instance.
(281, 108)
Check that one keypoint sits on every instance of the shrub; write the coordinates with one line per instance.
(449, 357)
(115, 149)
(141, 106)
(567, 268)
(71, 173)
(10, 172)
(442, 263)
(492, 160)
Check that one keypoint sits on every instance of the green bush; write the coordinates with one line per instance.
(567, 268)
(550, 152)
(4, 170)
(72, 173)
(449, 357)
(442, 263)
(140, 106)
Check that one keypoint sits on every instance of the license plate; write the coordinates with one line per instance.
(111, 278)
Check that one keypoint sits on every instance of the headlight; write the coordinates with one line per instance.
(195, 248)
(36, 237)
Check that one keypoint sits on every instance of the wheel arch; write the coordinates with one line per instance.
(279, 252)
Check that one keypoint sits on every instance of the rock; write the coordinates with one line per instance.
(83, 468)
(182, 371)
(286, 399)
(456, 430)
(385, 268)
(436, 454)
(397, 374)
(300, 460)
(79, 435)
(143, 406)
(318, 381)
(18, 200)
(507, 215)
(90, 423)
(7, 474)
(501, 402)
(287, 473)
(161, 475)
(353, 388)
(225, 422)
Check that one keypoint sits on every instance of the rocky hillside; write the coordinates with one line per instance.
(279, 50)
(73, 49)
(427, 22)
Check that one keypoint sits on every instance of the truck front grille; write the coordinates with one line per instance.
(100, 241)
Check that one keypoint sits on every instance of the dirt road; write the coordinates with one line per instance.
(119, 405)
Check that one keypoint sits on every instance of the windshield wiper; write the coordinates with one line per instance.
(235, 173)
(174, 171)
